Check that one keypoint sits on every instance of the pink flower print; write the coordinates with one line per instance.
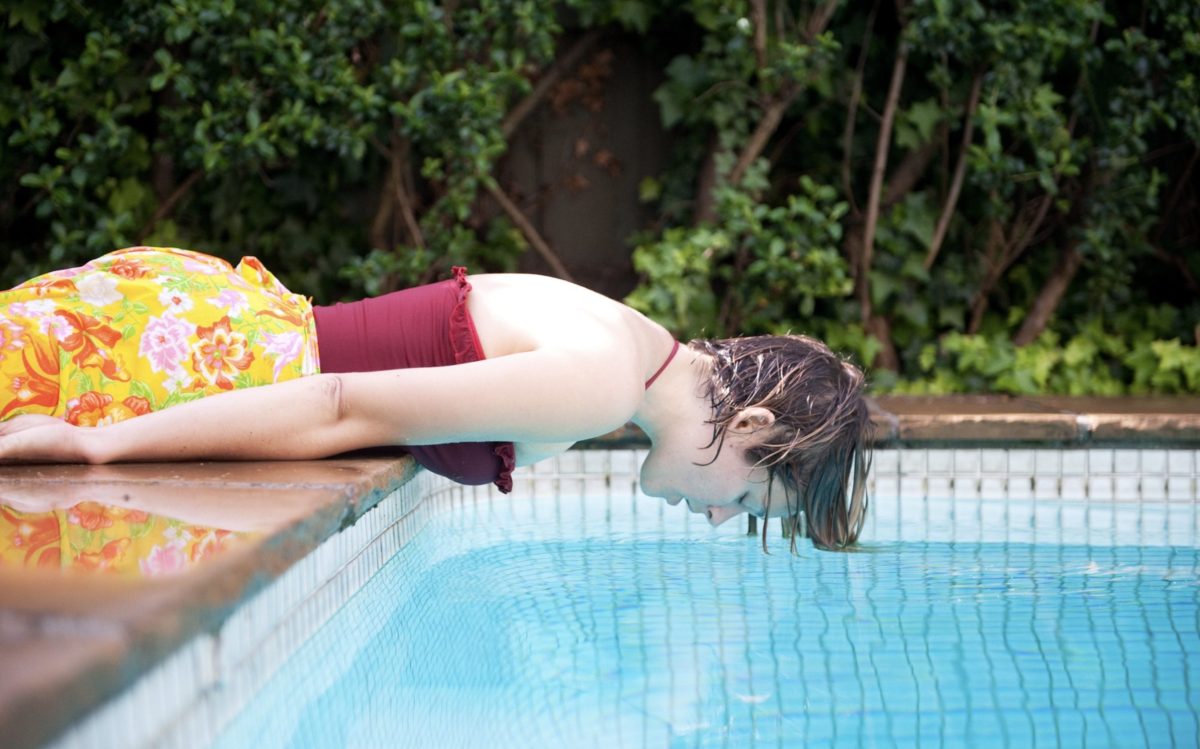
(205, 269)
(163, 560)
(285, 347)
(231, 300)
(176, 302)
(164, 343)
(11, 335)
(35, 309)
(57, 326)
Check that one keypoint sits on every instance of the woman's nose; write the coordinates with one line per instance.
(718, 514)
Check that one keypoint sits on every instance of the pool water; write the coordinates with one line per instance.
(532, 623)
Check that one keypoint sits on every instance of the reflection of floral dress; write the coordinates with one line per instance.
(93, 537)
(142, 329)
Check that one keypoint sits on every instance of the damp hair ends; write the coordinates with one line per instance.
(818, 447)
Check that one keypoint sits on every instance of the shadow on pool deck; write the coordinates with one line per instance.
(80, 623)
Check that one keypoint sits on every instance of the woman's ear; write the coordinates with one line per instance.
(752, 419)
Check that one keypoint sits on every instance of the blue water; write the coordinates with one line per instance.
(497, 630)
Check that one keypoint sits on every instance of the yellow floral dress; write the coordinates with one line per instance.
(143, 329)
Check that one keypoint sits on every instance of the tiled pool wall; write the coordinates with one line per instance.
(1137, 495)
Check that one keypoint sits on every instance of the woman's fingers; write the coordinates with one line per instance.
(36, 438)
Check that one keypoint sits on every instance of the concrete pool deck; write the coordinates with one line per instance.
(72, 639)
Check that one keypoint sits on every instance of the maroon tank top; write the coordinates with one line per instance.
(426, 326)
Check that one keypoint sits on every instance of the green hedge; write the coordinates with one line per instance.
(969, 196)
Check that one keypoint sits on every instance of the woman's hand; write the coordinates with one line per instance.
(36, 438)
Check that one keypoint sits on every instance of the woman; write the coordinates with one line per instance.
(771, 425)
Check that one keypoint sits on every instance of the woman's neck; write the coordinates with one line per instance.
(677, 399)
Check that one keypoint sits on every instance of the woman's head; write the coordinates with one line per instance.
(814, 444)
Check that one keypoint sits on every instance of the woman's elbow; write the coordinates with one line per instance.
(331, 397)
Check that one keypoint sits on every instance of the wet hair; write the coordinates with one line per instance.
(818, 447)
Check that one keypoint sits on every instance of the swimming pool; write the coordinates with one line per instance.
(577, 613)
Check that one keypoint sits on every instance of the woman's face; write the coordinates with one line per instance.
(716, 485)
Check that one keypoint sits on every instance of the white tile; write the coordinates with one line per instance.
(1100, 461)
(941, 461)
(1181, 488)
(1154, 461)
(1020, 462)
(1127, 488)
(569, 462)
(1073, 487)
(965, 487)
(595, 461)
(1100, 487)
(885, 462)
(1020, 487)
(1127, 461)
(1074, 462)
(625, 462)
(912, 486)
(913, 462)
(887, 487)
(1153, 487)
(1045, 487)
(993, 460)
(1181, 462)
(938, 486)
(993, 487)
(966, 461)
(1047, 462)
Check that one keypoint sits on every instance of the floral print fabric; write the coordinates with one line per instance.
(136, 331)
(143, 329)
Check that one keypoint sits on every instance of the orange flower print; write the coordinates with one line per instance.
(127, 267)
(91, 516)
(52, 284)
(86, 332)
(97, 409)
(108, 558)
(219, 352)
(39, 385)
(35, 532)
(209, 541)
(129, 515)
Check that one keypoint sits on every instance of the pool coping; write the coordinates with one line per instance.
(69, 644)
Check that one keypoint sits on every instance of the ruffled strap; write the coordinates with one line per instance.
(464, 339)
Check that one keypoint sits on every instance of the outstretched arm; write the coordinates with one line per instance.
(533, 396)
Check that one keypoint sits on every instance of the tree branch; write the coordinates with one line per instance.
(531, 233)
(862, 281)
(560, 67)
(1050, 295)
(819, 20)
(758, 15)
(852, 108)
(772, 116)
(168, 206)
(960, 173)
(398, 166)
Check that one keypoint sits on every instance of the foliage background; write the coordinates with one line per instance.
(968, 196)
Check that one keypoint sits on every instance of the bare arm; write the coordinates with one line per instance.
(533, 396)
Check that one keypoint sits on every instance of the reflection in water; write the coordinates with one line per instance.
(91, 536)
